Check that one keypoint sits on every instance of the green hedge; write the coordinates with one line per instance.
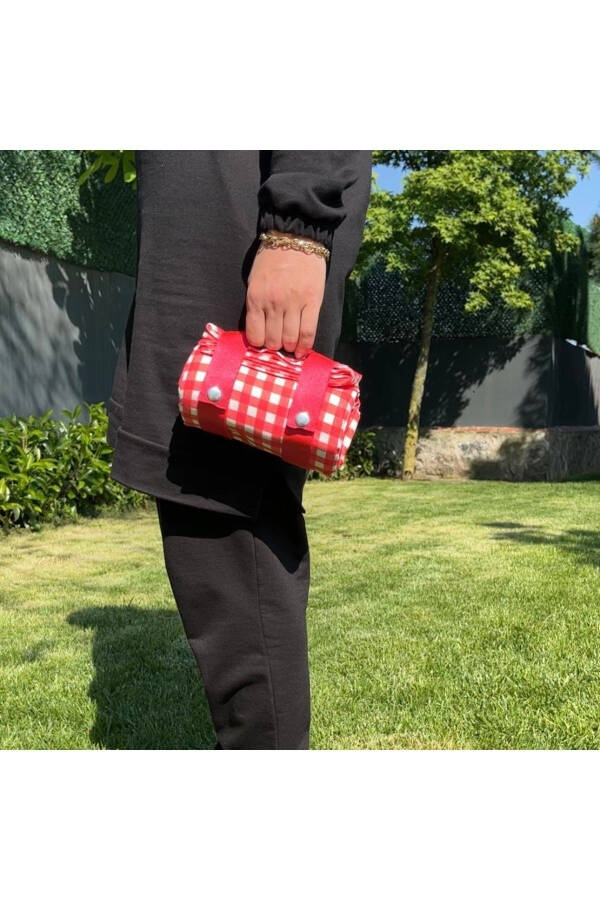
(362, 459)
(52, 471)
(43, 208)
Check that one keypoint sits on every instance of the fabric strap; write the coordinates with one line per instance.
(224, 366)
(309, 393)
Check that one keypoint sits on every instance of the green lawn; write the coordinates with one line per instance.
(457, 615)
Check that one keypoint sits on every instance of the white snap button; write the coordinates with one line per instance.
(214, 393)
(302, 418)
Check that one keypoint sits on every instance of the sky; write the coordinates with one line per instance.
(583, 201)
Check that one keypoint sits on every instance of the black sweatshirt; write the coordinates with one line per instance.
(303, 194)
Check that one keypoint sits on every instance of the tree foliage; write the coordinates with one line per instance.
(496, 214)
(113, 161)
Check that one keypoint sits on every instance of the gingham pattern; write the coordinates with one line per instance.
(261, 397)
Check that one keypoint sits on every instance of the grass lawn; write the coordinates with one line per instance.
(452, 616)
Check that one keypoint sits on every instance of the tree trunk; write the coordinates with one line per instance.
(418, 385)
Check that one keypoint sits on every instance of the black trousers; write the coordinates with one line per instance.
(241, 587)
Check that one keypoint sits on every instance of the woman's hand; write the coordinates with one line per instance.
(283, 300)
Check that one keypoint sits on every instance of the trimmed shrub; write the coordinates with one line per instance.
(54, 470)
(361, 459)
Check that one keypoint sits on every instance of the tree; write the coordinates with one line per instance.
(494, 215)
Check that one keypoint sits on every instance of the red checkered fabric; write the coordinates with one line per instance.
(258, 397)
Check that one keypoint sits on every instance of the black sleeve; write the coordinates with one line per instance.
(303, 191)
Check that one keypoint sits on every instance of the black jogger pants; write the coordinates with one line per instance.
(241, 588)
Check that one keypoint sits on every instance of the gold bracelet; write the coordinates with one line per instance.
(294, 242)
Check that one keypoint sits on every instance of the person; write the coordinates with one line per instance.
(231, 516)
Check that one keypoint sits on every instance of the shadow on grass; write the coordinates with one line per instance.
(581, 542)
(146, 686)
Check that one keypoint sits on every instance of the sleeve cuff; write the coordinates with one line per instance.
(269, 219)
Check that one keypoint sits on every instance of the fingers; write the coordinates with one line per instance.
(295, 329)
(255, 325)
(274, 327)
(308, 329)
(265, 327)
(291, 329)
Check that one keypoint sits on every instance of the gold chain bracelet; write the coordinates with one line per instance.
(294, 242)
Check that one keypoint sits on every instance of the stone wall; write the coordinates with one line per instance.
(497, 453)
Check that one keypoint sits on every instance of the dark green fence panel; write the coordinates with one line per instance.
(381, 307)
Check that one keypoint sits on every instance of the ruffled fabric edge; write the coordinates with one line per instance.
(276, 362)
(294, 225)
